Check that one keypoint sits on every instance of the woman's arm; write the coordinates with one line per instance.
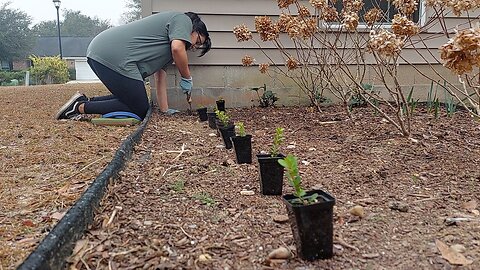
(180, 57)
(161, 89)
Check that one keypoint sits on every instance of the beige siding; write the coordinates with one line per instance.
(221, 16)
(219, 73)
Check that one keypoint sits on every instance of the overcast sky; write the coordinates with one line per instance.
(44, 10)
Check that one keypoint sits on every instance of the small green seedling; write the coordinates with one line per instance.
(223, 117)
(240, 129)
(436, 108)
(268, 97)
(205, 198)
(178, 186)
(291, 165)
(277, 140)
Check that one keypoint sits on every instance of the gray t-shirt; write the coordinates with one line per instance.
(139, 49)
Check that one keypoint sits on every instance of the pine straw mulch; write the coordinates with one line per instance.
(178, 205)
(45, 164)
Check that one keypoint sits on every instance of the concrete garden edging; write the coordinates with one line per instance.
(54, 249)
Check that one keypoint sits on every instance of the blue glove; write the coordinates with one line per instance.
(186, 85)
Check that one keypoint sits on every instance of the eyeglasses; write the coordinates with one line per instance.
(198, 43)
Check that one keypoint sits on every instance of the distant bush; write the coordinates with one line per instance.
(6, 77)
(72, 75)
(48, 70)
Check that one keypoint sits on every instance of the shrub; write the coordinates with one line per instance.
(6, 77)
(49, 70)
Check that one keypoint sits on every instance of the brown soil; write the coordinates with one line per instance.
(45, 164)
(185, 211)
(178, 205)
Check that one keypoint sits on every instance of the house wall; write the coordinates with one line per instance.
(220, 73)
(21, 64)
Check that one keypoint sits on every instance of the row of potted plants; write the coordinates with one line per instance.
(310, 212)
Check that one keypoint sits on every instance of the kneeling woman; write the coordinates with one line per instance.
(123, 56)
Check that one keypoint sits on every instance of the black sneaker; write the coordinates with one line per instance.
(70, 109)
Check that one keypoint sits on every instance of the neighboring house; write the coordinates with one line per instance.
(74, 51)
(220, 71)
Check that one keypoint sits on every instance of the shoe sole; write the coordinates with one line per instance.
(66, 105)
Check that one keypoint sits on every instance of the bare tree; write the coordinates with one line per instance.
(133, 12)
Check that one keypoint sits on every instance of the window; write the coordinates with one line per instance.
(385, 5)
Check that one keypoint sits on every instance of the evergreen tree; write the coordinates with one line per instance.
(15, 35)
(134, 11)
(74, 24)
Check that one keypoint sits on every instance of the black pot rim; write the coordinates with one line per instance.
(236, 137)
(329, 200)
(268, 156)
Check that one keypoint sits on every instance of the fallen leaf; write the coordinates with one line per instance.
(204, 257)
(57, 215)
(452, 256)
(280, 218)
(247, 192)
(370, 255)
(280, 253)
(28, 223)
(358, 211)
(78, 252)
(471, 205)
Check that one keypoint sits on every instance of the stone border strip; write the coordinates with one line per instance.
(55, 248)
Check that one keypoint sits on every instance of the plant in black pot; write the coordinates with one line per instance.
(226, 128)
(220, 104)
(212, 118)
(242, 144)
(202, 113)
(310, 214)
(271, 172)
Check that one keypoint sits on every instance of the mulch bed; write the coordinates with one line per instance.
(45, 164)
(178, 205)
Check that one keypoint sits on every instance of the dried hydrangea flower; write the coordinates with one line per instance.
(242, 33)
(263, 67)
(329, 14)
(285, 3)
(402, 26)
(308, 28)
(318, 4)
(457, 6)
(266, 28)
(283, 21)
(385, 43)
(292, 63)
(304, 12)
(247, 61)
(462, 53)
(350, 21)
(352, 6)
(294, 28)
(406, 7)
(372, 16)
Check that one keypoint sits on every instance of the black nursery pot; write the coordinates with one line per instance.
(220, 105)
(227, 132)
(212, 118)
(312, 225)
(202, 114)
(271, 174)
(243, 148)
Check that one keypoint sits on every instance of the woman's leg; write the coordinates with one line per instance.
(128, 94)
(102, 98)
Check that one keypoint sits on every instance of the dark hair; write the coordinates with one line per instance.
(201, 28)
